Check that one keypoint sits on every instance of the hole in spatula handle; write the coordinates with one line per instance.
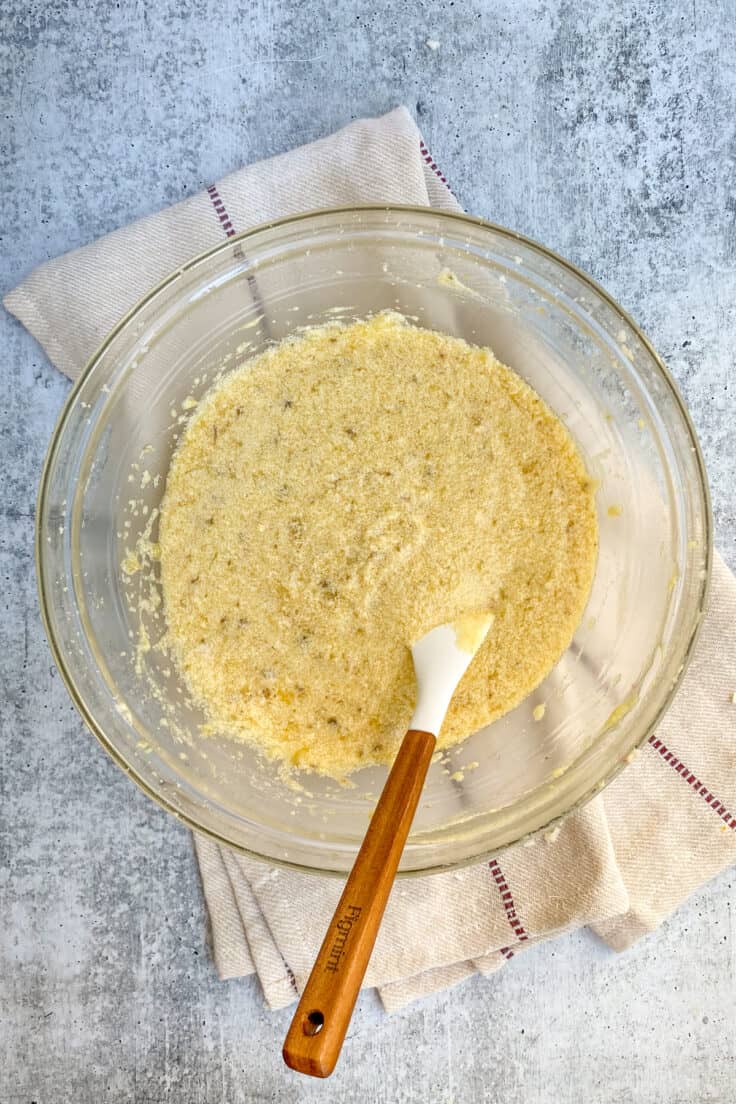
(313, 1023)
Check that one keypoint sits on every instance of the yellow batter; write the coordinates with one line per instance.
(340, 495)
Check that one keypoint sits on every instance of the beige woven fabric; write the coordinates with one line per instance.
(624, 862)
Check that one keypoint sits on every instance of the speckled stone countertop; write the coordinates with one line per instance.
(604, 130)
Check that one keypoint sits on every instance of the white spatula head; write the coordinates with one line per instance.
(441, 658)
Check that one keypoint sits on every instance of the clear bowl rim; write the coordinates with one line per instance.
(227, 244)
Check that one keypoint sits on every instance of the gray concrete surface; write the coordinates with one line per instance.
(605, 130)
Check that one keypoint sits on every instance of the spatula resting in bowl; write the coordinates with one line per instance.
(321, 1020)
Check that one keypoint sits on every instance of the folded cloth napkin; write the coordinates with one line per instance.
(622, 863)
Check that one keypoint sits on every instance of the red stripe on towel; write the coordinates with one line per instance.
(427, 157)
(710, 799)
(220, 211)
(508, 903)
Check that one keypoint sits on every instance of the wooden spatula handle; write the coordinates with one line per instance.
(321, 1020)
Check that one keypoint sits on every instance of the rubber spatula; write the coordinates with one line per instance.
(317, 1031)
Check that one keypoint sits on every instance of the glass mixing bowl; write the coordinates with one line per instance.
(106, 472)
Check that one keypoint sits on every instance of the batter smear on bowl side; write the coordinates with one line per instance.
(338, 496)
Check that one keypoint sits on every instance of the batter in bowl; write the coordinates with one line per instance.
(338, 496)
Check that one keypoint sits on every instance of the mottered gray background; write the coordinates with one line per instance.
(606, 131)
